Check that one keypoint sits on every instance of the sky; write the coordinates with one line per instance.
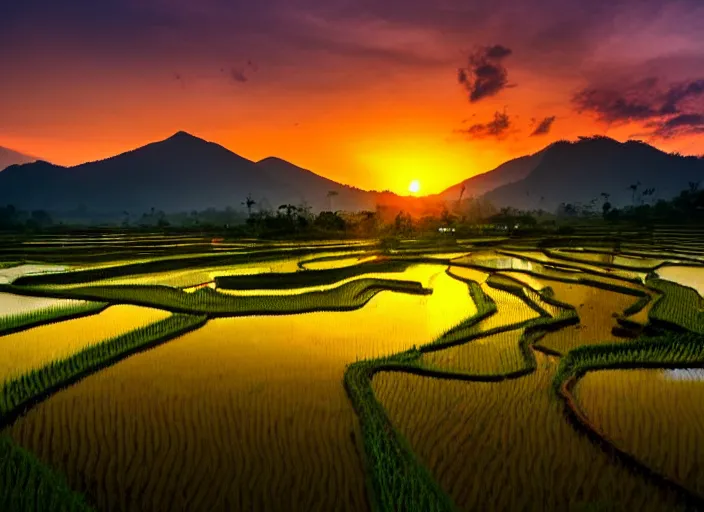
(369, 93)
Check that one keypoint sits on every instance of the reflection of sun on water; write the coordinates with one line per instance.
(414, 186)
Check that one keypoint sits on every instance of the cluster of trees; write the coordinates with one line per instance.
(688, 206)
(13, 219)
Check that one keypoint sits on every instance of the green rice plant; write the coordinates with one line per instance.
(26, 485)
(679, 307)
(169, 264)
(19, 393)
(675, 350)
(308, 278)
(398, 481)
(20, 321)
(348, 296)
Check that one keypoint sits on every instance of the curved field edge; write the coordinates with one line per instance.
(678, 308)
(176, 262)
(15, 323)
(668, 351)
(27, 485)
(308, 278)
(20, 393)
(397, 480)
(346, 297)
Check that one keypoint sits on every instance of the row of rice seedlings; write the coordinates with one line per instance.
(679, 306)
(348, 296)
(604, 258)
(505, 445)
(176, 262)
(597, 309)
(34, 348)
(21, 391)
(396, 479)
(498, 353)
(179, 278)
(26, 485)
(242, 414)
(551, 260)
(309, 278)
(336, 260)
(692, 276)
(59, 311)
(14, 273)
(656, 415)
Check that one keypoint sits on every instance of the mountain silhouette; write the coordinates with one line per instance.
(10, 157)
(180, 173)
(509, 172)
(580, 171)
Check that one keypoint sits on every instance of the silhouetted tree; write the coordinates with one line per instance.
(249, 202)
(634, 188)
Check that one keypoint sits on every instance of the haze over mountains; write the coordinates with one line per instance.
(185, 173)
(10, 157)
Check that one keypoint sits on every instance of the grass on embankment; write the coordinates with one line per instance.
(169, 264)
(18, 322)
(349, 296)
(398, 481)
(26, 485)
(308, 278)
(19, 393)
(679, 307)
(668, 351)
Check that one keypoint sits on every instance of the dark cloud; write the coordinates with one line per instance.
(498, 128)
(485, 74)
(682, 124)
(544, 126)
(665, 110)
(641, 101)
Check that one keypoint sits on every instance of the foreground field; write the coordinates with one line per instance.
(492, 374)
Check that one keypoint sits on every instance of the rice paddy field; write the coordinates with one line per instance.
(160, 372)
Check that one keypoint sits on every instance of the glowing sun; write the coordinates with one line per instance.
(414, 186)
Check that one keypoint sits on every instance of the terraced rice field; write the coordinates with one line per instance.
(499, 376)
(33, 348)
(684, 275)
(635, 407)
(506, 445)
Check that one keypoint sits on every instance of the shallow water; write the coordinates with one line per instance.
(245, 413)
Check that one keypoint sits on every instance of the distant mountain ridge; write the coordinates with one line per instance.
(509, 172)
(10, 157)
(180, 173)
(580, 171)
(185, 173)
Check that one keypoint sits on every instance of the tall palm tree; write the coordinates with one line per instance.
(249, 202)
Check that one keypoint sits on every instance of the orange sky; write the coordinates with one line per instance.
(372, 101)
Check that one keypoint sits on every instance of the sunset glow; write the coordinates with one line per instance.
(359, 96)
(414, 187)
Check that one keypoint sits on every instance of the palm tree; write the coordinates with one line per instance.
(634, 188)
(249, 202)
(331, 194)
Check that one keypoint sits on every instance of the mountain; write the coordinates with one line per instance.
(508, 172)
(577, 172)
(181, 173)
(9, 157)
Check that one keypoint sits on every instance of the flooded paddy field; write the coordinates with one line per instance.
(500, 376)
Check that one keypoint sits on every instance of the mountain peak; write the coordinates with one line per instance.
(183, 135)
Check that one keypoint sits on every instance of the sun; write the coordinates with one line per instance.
(414, 186)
